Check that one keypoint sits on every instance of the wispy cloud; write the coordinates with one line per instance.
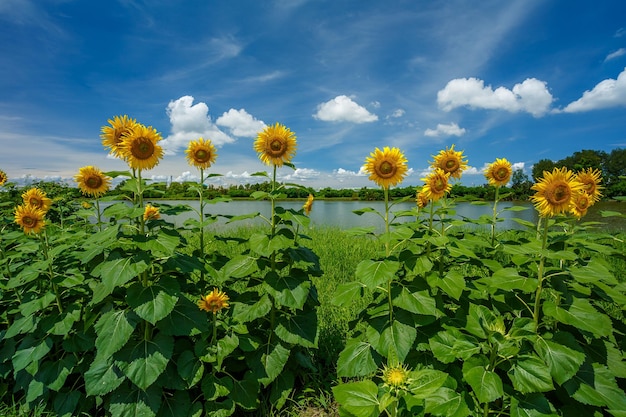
(616, 54)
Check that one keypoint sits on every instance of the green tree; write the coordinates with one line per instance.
(520, 185)
(541, 166)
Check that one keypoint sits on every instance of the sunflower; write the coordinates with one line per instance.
(395, 376)
(140, 149)
(450, 161)
(92, 181)
(86, 205)
(590, 178)
(30, 218)
(214, 302)
(499, 172)
(308, 206)
(3, 178)
(276, 145)
(436, 184)
(581, 201)
(151, 213)
(387, 167)
(37, 198)
(554, 192)
(201, 153)
(113, 135)
(421, 199)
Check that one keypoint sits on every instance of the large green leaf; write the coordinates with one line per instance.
(374, 274)
(453, 283)
(529, 374)
(244, 312)
(395, 339)
(240, 266)
(451, 344)
(245, 393)
(164, 243)
(54, 373)
(347, 293)
(65, 404)
(154, 302)
(562, 361)
(116, 271)
(425, 382)
(21, 325)
(272, 360)
(447, 402)
(594, 271)
(486, 384)
(130, 401)
(356, 359)
(360, 399)
(38, 304)
(114, 329)
(102, 377)
(508, 279)
(532, 405)
(30, 350)
(301, 329)
(145, 360)
(186, 319)
(595, 385)
(580, 314)
(290, 290)
(176, 405)
(189, 367)
(417, 302)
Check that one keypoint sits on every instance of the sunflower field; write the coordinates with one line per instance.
(117, 312)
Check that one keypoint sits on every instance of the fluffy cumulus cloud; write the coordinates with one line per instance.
(531, 96)
(240, 123)
(302, 174)
(442, 130)
(343, 109)
(189, 122)
(608, 93)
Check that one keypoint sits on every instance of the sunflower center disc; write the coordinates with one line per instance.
(501, 174)
(144, 150)
(277, 147)
(561, 194)
(386, 169)
(450, 165)
(28, 221)
(93, 182)
(202, 155)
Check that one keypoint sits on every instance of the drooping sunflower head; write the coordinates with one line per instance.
(201, 153)
(3, 178)
(214, 301)
(308, 206)
(554, 192)
(436, 184)
(151, 213)
(499, 172)
(140, 147)
(590, 179)
(450, 161)
(581, 201)
(113, 134)
(395, 376)
(30, 218)
(276, 145)
(387, 167)
(86, 205)
(92, 181)
(421, 199)
(37, 198)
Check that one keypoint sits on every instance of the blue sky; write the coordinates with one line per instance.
(518, 79)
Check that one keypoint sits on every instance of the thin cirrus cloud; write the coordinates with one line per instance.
(616, 54)
(531, 96)
(442, 130)
(343, 109)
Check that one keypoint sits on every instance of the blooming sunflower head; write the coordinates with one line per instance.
(395, 376)
(308, 206)
(201, 153)
(276, 145)
(113, 134)
(581, 201)
(30, 218)
(37, 198)
(554, 192)
(590, 179)
(436, 184)
(140, 147)
(92, 181)
(3, 178)
(151, 213)
(450, 161)
(214, 301)
(421, 199)
(387, 167)
(499, 172)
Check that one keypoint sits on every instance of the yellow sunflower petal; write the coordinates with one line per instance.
(591, 178)
(276, 145)
(37, 198)
(450, 161)
(387, 168)
(201, 153)
(214, 301)
(436, 184)
(554, 192)
(91, 181)
(140, 147)
(499, 172)
(113, 135)
(30, 218)
(3, 178)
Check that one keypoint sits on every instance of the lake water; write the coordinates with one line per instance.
(341, 213)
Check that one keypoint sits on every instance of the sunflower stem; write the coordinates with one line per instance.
(494, 217)
(98, 214)
(55, 288)
(540, 272)
(201, 192)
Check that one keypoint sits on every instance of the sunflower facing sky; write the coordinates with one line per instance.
(395, 376)
(201, 153)
(554, 192)
(436, 184)
(499, 172)
(92, 181)
(140, 149)
(37, 198)
(30, 218)
(450, 161)
(387, 167)
(276, 145)
(591, 178)
(3, 178)
(113, 135)
(214, 301)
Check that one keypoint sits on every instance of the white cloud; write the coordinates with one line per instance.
(613, 55)
(343, 109)
(190, 122)
(240, 123)
(451, 129)
(607, 93)
(302, 174)
(531, 96)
